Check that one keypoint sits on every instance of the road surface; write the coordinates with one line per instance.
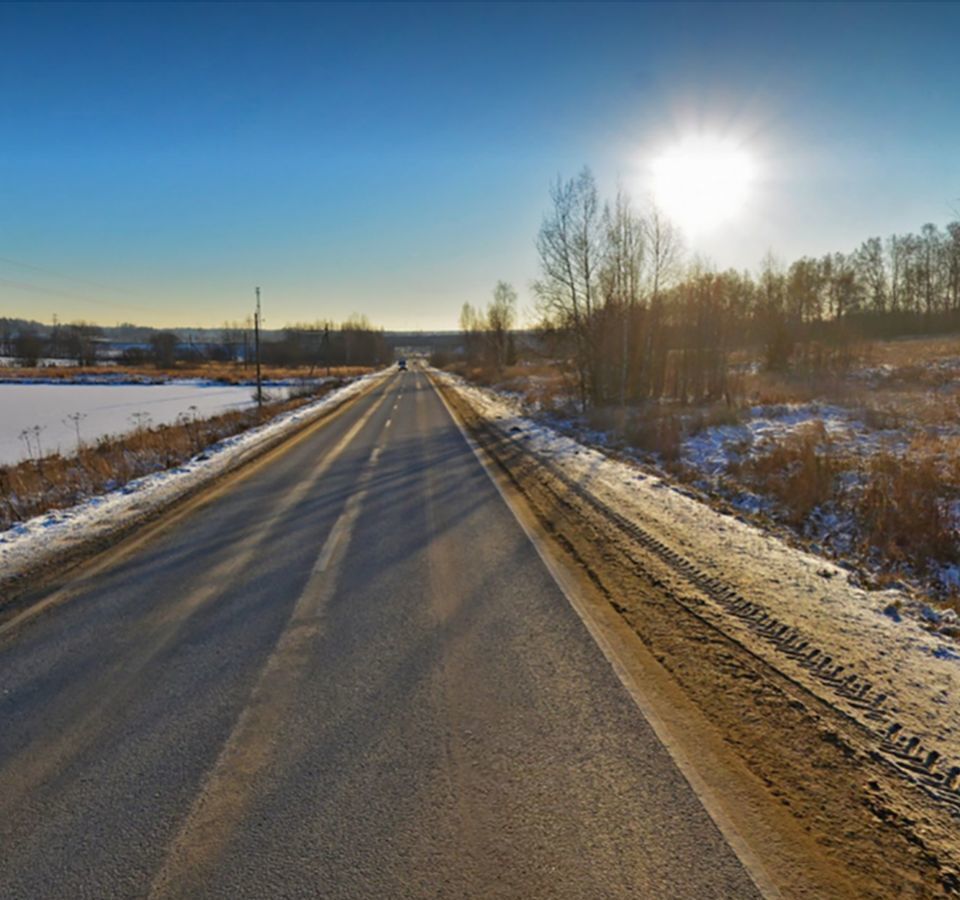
(348, 674)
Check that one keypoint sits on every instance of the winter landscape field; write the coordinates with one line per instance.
(480, 450)
(43, 419)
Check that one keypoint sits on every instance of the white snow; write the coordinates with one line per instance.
(42, 363)
(105, 409)
(32, 543)
(917, 669)
(713, 449)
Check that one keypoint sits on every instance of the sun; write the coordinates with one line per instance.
(702, 182)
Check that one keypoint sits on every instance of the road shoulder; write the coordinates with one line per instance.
(770, 766)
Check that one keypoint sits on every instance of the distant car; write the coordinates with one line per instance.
(402, 365)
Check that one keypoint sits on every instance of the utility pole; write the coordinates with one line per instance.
(256, 340)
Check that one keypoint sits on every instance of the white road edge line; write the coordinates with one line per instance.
(751, 863)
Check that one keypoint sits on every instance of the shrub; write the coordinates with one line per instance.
(903, 509)
(800, 471)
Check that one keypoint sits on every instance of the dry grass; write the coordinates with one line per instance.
(898, 506)
(661, 434)
(653, 428)
(903, 509)
(800, 471)
(33, 487)
(918, 351)
(541, 384)
(896, 510)
(714, 415)
(227, 373)
(778, 389)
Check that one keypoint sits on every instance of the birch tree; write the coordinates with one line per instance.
(568, 290)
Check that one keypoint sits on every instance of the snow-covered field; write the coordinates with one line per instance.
(104, 409)
(44, 538)
(886, 637)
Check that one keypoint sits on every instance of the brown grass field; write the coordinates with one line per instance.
(227, 373)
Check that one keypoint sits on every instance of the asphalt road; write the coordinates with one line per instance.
(349, 675)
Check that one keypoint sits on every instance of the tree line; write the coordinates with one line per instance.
(355, 342)
(324, 344)
(633, 319)
(76, 341)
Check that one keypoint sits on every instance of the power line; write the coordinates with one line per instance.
(71, 295)
(56, 274)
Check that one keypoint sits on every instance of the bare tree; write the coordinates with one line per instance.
(952, 249)
(664, 250)
(472, 326)
(163, 345)
(231, 341)
(79, 342)
(930, 266)
(27, 347)
(872, 270)
(501, 313)
(664, 254)
(778, 337)
(568, 291)
(623, 264)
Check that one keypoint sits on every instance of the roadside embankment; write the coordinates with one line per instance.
(847, 716)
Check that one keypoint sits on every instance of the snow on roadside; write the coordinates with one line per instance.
(867, 631)
(713, 449)
(32, 543)
(38, 416)
(128, 378)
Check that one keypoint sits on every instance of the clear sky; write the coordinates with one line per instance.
(157, 162)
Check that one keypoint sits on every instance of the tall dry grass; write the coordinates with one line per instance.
(226, 373)
(800, 471)
(904, 507)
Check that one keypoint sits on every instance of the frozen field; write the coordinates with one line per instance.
(106, 409)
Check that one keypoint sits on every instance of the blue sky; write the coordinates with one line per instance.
(157, 162)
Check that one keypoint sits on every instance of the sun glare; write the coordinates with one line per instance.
(703, 182)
